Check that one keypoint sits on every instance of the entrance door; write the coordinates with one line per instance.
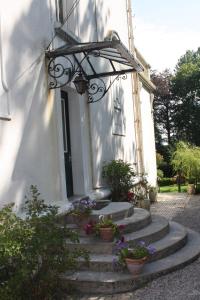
(66, 143)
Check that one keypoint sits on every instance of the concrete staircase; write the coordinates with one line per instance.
(175, 246)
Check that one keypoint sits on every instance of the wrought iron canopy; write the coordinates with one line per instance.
(91, 61)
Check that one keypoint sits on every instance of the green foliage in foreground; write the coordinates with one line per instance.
(33, 252)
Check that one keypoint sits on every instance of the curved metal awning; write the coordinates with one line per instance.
(94, 60)
(112, 51)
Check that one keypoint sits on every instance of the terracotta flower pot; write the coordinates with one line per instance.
(135, 266)
(191, 189)
(106, 234)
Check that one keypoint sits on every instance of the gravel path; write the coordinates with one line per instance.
(183, 284)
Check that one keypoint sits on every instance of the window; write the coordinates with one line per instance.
(118, 118)
(60, 10)
(4, 104)
(65, 8)
(119, 121)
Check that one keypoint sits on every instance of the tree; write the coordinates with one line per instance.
(186, 87)
(164, 107)
(177, 106)
(186, 161)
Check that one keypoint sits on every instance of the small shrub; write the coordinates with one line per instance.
(119, 176)
(33, 252)
(197, 191)
(166, 181)
(160, 175)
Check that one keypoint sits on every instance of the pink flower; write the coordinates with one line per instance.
(130, 196)
(121, 227)
(89, 227)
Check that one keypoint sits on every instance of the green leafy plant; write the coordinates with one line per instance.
(33, 251)
(108, 223)
(120, 178)
(166, 181)
(160, 175)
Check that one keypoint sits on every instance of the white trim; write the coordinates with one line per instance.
(3, 80)
(60, 143)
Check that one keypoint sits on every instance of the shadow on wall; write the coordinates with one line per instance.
(29, 138)
(108, 142)
(105, 145)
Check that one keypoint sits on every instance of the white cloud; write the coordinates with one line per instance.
(161, 46)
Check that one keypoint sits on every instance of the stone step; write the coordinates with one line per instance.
(140, 219)
(156, 230)
(113, 282)
(172, 242)
(115, 210)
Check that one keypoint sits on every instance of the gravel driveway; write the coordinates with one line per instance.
(183, 284)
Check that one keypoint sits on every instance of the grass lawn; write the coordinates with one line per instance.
(172, 188)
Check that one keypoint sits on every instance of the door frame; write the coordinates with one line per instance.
(80, 143)
(67, 150)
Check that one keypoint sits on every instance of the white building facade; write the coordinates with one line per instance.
(54, 138)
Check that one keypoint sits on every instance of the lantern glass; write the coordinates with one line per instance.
(81, 84)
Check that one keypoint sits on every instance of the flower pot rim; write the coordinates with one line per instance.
(105, 228)
(136, 260)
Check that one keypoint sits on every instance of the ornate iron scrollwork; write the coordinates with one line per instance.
(61, 71)
(97, 88)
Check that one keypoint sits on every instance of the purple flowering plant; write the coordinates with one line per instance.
(82, 207)
(122, 250)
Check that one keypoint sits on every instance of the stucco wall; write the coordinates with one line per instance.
(104, 144)
(31, 142)
(27, 142)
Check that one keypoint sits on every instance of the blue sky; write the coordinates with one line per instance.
(165, 29)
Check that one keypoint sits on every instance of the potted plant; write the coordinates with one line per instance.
(141, 194)
(133, 258)
(120, 177)
(81, 210)
(107, 229)
(152, 194)
(191, 189)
